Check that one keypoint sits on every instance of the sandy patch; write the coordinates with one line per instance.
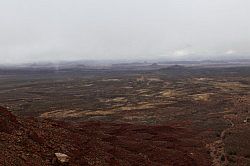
(88, 85)
(154, 79)
(140, 91)
(128, 87)
(169, 93)
(98, 113)
(60, 114)
(137, 107)
(230, 85)
(202, 96)
(117, 99)
(112, 80)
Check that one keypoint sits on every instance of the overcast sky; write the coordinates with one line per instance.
(51, 30)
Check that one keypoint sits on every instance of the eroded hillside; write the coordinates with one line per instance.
(30, 141)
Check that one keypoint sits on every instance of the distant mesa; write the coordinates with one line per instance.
(174, 67)
(154, 65)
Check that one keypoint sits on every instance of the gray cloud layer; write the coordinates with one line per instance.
(41, 30)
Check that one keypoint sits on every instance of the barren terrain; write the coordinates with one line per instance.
(171, 116)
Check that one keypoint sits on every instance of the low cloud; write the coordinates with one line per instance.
(230, 52)
(45, 30)
(180, 53)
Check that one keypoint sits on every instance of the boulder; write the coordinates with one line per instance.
(61, 159)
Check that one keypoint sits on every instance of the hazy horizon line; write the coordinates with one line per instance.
(117, 61)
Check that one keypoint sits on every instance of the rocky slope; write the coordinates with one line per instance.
(30, 141)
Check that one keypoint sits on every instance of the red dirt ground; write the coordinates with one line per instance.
(33, 141)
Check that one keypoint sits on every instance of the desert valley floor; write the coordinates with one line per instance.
(170, 116)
